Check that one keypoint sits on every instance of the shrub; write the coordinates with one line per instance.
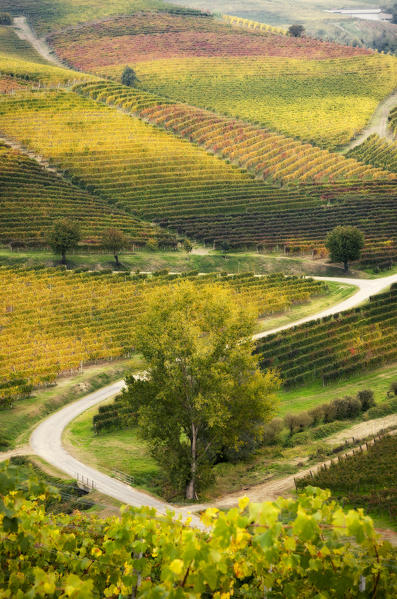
(393, 387)
(272, 430)
(317, 414)
(5, 18)
(366, 397)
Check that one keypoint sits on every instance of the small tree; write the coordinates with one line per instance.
(204, 392)
(129, 77)
(344, 244)
(187, 246)
(296, 30)
(5, 18)
(366, 398)
(114, 241)
(65, 236)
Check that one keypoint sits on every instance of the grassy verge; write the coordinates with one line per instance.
(121, 450)
(18, 422)
(297, 400)
(337, 293)
(71, 497)
(177, 261)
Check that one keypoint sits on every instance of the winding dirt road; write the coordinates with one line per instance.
(25, 32)
(46, 440)
(378, 123)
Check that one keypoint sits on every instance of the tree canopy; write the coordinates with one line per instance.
(65, 236)
(129, 77)
(114, 241)
(296, 30)
(344, 244)
(204, 390)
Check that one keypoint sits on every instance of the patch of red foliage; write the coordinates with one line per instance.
(135, 39)
(8, 84)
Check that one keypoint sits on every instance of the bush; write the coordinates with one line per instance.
(272, 430)
(5, 18)
(366, 397)
(393, 387)
(317, 414)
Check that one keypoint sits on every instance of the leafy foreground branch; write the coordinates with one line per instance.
(286, 549)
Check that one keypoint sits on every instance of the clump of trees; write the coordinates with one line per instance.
(296, 30)
(204, 392)
(64, 237)
(344, 244)
(5, 18)
(129, 77)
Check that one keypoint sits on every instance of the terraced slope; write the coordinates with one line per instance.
(335, 347)
(151, 36)
(393, 120)
(326, 102)
(32, 198)
(16, 48)
(261, 151)
(376, 151)
(24, 72)
(128, 162)
(52, 15)
(52, 321)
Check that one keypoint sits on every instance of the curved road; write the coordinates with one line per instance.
(378, 124)
(46, 439)
(25, 32)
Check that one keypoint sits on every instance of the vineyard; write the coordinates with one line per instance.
(325, 102)
(366, 479)
(54, 321)
(14, 47)
(336, 346)
(32, 198)
(376, 151)
(151, 36)
(49, 15)
(36, 74)
(264, 153)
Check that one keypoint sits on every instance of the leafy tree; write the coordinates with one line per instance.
(129, 77)
(296, 30)
(114, 241)
(5, 18)
(187, 246)
(152, 244)
(344, 244)
(65, 236)
(366, 398)
(204, 392)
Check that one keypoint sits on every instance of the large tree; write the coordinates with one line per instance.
(114, 241)
(344, 244)
(65, 236)
(204, 391)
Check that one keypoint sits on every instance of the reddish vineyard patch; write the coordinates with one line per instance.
(135, 39)
(8, 84)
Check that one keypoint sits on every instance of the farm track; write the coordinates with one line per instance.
(378, 123)
(46, 439)
(25, 32)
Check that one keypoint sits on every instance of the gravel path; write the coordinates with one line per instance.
(378, 123)
(25, 32)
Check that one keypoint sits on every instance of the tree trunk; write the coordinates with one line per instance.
(63, 257)
(117, 260)
(345, 266)
(191, 487)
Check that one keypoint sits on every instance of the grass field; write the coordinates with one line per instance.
(175, 261)
(308, 397)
